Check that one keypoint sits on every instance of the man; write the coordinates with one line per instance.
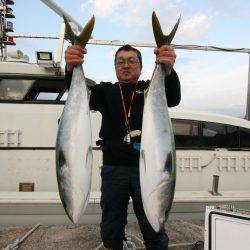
(121, 106)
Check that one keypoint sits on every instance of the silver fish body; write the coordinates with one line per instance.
(74, 149)
(157, 153)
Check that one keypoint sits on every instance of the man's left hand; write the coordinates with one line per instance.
(166, 56)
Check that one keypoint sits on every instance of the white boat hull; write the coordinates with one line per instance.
(27, 145)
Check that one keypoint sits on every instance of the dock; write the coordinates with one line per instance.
(87, 236)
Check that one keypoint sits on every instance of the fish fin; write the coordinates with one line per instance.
(170, 200)
(62, 159)
(168, 163)
(143, 159)
(69, 34)
(158, 34)
(171, 192)
(89, 158)
(160, 38)
(171, 35)
(62, 164)
(85, 35)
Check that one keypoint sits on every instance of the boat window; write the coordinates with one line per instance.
(14, 89)
(32, 90)
(47, 96)
(244, 138)
(219, 135)
(186, 133)
(50, 89)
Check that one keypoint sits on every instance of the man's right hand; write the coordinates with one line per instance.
(74, 55)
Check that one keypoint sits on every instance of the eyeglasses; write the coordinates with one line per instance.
(132, 61)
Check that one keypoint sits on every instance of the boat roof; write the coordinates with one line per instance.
(25, 69)
(195, 115)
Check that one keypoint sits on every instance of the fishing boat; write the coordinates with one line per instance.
(213, 151)
(207, 145)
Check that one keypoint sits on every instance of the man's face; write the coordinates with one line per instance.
(127, 66)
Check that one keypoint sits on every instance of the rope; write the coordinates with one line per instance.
(18, 241)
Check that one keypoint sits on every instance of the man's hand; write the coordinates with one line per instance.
(74, 55)
(166, 56)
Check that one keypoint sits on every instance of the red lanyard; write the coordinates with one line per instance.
(127, 116)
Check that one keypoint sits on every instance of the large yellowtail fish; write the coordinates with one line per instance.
(157, 153)
(74, 140)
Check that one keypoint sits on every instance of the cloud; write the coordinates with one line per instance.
(100, 8)
(197, 20)
(129, 12)
(215, 84)
(196, 27)
(230, 8)
(116, 11)
(220, 86)
(196, 24)
(137, 16)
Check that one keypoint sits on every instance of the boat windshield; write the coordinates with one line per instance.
(14, 89)
(30, 89)
(35, 89)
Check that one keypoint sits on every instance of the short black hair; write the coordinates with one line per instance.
(128, 47)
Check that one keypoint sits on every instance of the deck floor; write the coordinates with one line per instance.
(88, 237)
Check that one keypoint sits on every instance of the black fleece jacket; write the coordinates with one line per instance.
(105, 98)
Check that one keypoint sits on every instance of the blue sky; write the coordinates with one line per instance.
(211, 81)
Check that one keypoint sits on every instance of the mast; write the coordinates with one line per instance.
(5, 27)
